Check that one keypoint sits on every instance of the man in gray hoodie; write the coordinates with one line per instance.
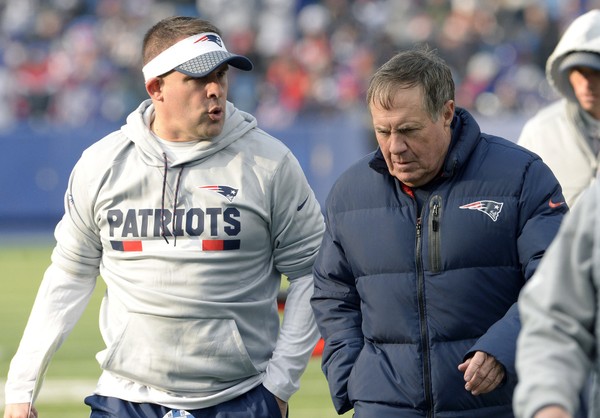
(191, 214)
(566, 134)
(560, 306)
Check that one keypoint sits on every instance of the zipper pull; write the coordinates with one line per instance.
(435, 224)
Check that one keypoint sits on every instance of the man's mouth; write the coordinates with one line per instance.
(215, 113)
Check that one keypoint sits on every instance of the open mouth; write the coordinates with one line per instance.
(215, 113)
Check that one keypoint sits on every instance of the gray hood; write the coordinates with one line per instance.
(583, 34)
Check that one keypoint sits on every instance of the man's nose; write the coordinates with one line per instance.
(397, 143)
(214, 87)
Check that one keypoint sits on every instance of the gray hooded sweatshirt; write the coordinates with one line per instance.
(562, 134)
(192, 252)
(560, 307)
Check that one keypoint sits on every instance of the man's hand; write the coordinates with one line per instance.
(552, 412)
(282, 407)
(482, 372)
(19, 410)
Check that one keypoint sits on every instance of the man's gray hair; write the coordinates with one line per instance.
(407, 69)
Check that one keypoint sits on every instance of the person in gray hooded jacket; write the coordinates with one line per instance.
(191, 214)
(566, 134)
(560, 310)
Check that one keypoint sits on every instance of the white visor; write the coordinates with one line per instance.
(196, 56)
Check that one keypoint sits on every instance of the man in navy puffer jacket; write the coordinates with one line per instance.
(428, 242)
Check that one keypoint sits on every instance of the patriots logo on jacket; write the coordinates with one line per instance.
(228, 192)
(489, 207)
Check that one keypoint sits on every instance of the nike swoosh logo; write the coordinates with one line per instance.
(555, 204)
(302, 204)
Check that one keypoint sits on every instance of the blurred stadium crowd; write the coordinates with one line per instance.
(72, 61)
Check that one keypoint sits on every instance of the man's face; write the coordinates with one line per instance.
(192, 108)
(414, 146)
(586, 85)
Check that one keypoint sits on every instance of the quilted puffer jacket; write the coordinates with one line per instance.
(401, 298)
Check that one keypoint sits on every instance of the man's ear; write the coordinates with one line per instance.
(448, 112)
(154, 87)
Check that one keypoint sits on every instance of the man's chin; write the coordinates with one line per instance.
(592, 108)
(211, 131)
(412, 179)
(409, 181)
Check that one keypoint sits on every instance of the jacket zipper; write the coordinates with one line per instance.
(422, 321)
(435, 261)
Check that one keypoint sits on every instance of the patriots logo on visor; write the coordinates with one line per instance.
(228, 192)
(210, 38)
(489, 207)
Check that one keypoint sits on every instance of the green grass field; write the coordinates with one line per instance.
(74, 369)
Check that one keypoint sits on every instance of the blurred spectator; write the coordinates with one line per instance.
(74, 61)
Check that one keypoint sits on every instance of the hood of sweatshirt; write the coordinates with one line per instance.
(582, 35)
(137, 130)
